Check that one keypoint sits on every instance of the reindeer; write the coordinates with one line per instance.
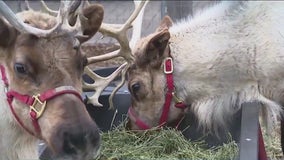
(99, 53)
(209, 65)
(41, 69)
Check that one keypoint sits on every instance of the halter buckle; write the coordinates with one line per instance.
(38, 106)
(168, 62)
(176, 99)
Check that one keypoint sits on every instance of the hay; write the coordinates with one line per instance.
(165, 144)
(159, 145)
(273, 144)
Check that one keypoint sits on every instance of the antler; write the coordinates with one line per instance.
(46, 9)
(72, 13)
(118, 32)
(27, 7)
(62, 20)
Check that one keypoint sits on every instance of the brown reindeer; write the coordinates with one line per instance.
(230, 54)
(109, 54)
(41, 66)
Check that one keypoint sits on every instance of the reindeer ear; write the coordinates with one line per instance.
(7, 34)
(166, 23)
(155, 49)
(92, 19)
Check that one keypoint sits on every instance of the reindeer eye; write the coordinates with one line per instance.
(135, 87)
(20, 68)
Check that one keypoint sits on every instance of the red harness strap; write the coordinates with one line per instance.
(168, 70)
(34, 101)
(261, 147)
(142, 125)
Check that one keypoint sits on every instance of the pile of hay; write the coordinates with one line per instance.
(159, 144)
(273, 144)
(167, 144)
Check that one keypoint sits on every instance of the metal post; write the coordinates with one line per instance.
(164, 9)
(249, 131)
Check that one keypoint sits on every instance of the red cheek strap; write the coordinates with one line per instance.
(37, 103)
(137, 121)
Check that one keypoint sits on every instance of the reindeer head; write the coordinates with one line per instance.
(42, 58)
(147, 81)
(145, 70)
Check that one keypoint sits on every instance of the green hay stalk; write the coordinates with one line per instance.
(159, 145)
(165, 144)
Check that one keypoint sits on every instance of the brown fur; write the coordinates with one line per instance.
(50, 62)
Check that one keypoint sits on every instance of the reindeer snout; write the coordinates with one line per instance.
(72, 143)
(73, 135)
(82, 142)
(76, 143)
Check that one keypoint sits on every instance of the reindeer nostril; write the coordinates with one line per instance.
(78, 141)
(73, 143)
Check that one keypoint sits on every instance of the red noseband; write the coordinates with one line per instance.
(36, 103)
(171, 94)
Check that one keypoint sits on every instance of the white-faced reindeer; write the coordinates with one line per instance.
(41, 70)
(229, 54)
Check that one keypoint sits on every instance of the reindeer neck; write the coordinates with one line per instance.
(226, 52)
(15, 142)
(198, 50)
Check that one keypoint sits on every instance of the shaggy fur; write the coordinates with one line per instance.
(226, 55)
(230, 54)
(15, 142)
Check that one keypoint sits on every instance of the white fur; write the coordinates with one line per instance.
(15, 143)
(230, 54)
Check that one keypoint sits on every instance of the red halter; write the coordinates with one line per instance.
(36, 103)
(171, 94)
